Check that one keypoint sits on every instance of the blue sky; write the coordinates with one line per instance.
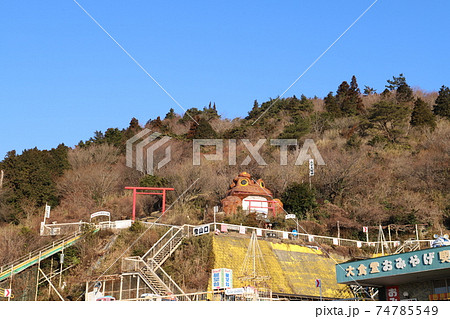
(62, 77)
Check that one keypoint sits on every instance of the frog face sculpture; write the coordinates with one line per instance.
(252, 196)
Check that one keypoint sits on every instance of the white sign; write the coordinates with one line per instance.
(235, 291)
(365, 229)
(7, 293)
(310, 238)
(47, 211)
(222, 278)
(335, 241)
(285, 235)
(102, 213)
(241, 230)
(311, 167)
(119, 224)
(202, 230)
(216, 209)
(290, 216)
(258, 232)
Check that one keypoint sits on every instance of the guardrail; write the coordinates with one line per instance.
(280, 234)
(35, 256)
(261, 232)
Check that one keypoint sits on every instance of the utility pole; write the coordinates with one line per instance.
(390, 238)
(216, 210)
(417, 235)
(37, 277)
(1, 178)
(339, 232)
(10, 282)
(61, 262)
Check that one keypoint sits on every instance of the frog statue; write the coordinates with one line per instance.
(252, 196)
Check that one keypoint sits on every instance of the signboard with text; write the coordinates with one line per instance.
(222, 278)
(392, 265)
(201, 230)
(311, 167)
(393, 293)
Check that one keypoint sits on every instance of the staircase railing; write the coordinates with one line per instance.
(166, 249)
(42, 252)
(153, 251)
(174, 288)
(137, 264)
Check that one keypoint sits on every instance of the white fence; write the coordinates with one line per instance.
(66, 228)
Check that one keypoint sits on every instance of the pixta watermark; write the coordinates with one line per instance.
(148, 142)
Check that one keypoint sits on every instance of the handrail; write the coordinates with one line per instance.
(170, 282)
(177, 236)
(37, 252)
(158, 243)
(162, 242)
(353, 241)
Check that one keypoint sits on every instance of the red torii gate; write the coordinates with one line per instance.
(135, 193)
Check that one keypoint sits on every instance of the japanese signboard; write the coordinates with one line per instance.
(201, 230)
(311, 167)
(400, 264)
(47, 211)
(222, 278)
(393, 293)
(102, 213)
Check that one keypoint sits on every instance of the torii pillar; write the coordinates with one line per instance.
(144, 191)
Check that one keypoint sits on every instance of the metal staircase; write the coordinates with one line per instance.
(408, 245)
(165, 246)
(149, 265)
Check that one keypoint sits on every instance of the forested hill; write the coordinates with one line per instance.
(387, 158)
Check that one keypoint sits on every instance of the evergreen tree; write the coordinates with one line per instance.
(299, 199)
(386, 94)
(355, 104)
(331, 105)
(153, 181)
(342, 95)
(114, 136)
(369, 90)
(442, 104)
(396, 82)
(404, 94)
(191, 113)
(134, 124)
(210, 112)
(306, 104)
(299, 128)
(170, 114)
(389, 118)
(32, 176)
(201, 130)
(156, 123)
(422, 115)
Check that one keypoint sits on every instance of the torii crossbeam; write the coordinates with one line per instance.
(144, 191)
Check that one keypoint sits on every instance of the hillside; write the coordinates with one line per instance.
(387, 161)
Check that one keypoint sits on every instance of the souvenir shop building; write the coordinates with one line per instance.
(417, 275)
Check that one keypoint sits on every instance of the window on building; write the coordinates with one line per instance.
(440, 286)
